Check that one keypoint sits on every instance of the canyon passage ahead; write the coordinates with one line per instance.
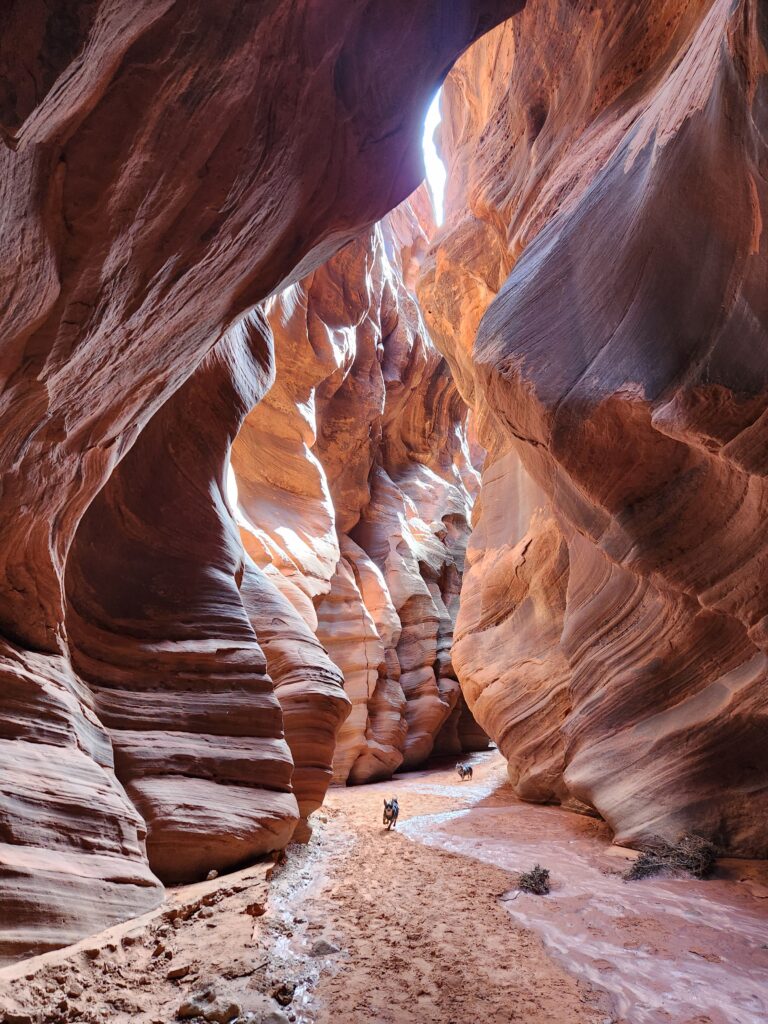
(300, 489)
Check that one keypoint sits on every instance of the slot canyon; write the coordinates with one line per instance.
(316, 484)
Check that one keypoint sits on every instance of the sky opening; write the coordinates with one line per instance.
(434, 165)
(232, 495)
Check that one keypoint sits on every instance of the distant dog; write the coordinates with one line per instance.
(391, 811)
(465, 771)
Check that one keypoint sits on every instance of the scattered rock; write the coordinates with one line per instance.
(272, 1017)
(323, 948)
(20, 1017)
(195, 1006)
(213, 873)
(209, 1006)
(223, 1013)
(283, 993)
(181, 971)
(188, 1010)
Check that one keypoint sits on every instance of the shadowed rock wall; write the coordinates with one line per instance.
(159, 632)
(604, 258)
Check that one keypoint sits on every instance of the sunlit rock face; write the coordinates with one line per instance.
(604, 258)
(308, 686)
(354, 486)
(162, 173)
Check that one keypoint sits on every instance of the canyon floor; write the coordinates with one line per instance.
(425, 924)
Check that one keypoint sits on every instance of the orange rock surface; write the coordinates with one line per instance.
(354, 478)
(158, 630)
(599, 289)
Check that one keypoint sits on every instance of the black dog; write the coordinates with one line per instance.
(465, 771)
(391, 811)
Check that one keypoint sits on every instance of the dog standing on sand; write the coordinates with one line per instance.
(465, 771)
(391, 811)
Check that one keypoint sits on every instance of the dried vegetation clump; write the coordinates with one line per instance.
(536, 880)
(691, 854)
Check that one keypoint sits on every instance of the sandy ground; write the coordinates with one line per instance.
(423, 934)
(424, 925)
(664, 950)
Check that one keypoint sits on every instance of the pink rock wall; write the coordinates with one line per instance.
(606, 234)
(353, 478)
(158, 630)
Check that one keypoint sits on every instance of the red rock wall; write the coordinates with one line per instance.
(353, 478)
(607, 221)
(158, 630)
(165, 167)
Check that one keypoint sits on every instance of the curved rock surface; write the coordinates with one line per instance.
(353, 478)
(158, 630)
(308, 686)
(606, 230)
(172, 176)
(162, 173)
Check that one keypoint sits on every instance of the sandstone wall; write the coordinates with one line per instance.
(353, 478)
(158, 630)
(164, 167)
(604, 258)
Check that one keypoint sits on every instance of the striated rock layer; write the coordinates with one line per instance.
(600, 290)
(159, 632)
(165, 167)
(354, 479)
